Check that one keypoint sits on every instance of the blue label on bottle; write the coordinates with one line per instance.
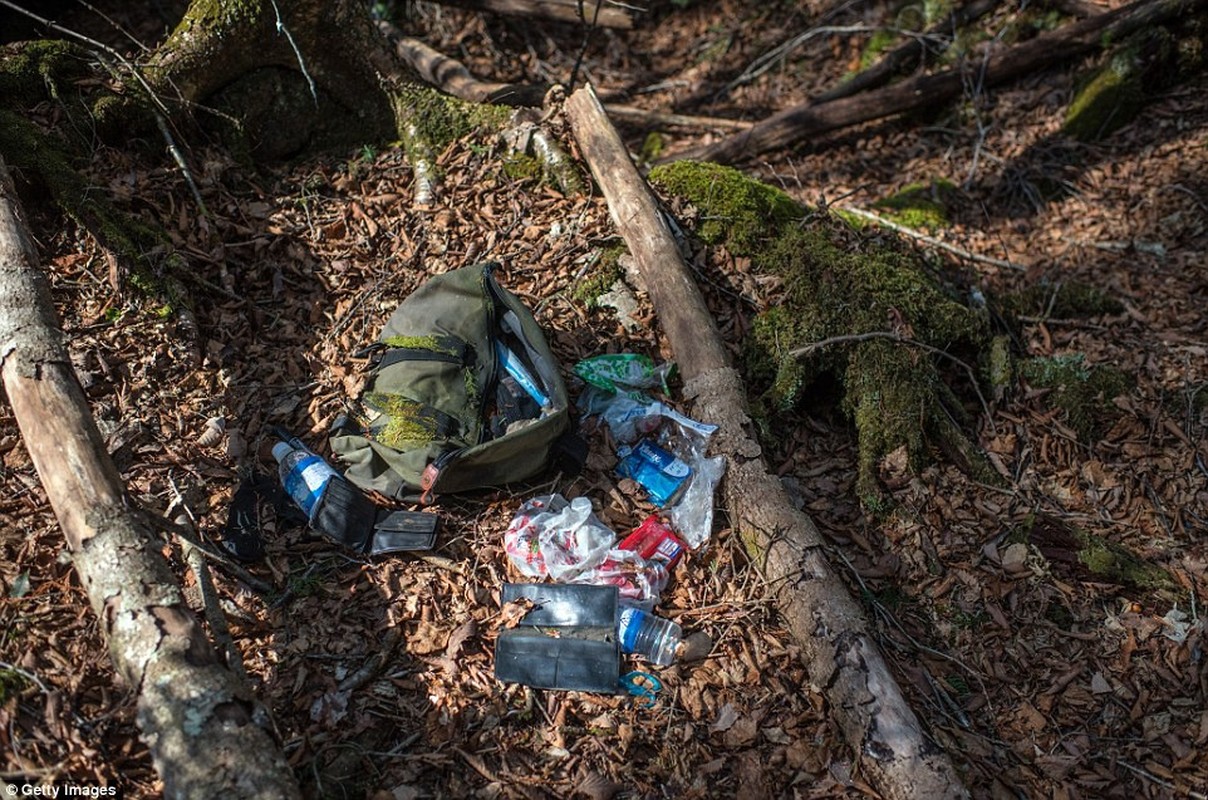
(306, 482)
(629, 623)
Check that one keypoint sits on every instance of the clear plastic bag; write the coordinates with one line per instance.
(552, 537)
(692, 514)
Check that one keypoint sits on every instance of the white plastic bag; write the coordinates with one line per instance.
(554, 538)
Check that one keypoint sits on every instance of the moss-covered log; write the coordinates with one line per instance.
(811, 119)
(1077, 554)
(1138, 69)
(860, 306)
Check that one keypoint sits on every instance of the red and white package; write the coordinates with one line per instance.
(654, 541)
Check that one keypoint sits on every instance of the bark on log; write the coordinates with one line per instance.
(612, 14)
(208, 735)
(841, 656)
(800, 122)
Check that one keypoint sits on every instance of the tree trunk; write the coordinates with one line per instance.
(808, 120)
(840, 655)
(332, 44)
(208, 735)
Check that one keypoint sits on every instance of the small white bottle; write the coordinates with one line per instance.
(645, 634)
(304, 476)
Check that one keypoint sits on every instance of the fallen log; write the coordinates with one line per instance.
(811, 119)
(907, 55)
(208, 735)
(451, 76)
(611, 13)
(839, 652)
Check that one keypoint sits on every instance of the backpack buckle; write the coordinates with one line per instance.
(427, 480)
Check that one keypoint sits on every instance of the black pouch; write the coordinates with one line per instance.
(566, 641)
(345, 514)
(352, 519)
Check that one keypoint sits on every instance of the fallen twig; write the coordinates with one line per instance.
(930, 240)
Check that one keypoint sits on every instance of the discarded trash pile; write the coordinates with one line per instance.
(463, 393)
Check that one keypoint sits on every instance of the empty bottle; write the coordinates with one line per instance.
(303, 474)
(645, 634)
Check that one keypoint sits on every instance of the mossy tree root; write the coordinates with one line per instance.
(43, 162)
(855, 305)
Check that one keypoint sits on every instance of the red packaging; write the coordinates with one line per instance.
(655, 541)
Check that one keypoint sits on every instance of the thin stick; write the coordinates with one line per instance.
(931, 240)
(212, 607)
(235, 570)
(297, 53)
(1149, 776)
(372, 666)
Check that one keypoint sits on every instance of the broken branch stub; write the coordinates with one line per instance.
(867, 704)
(208, 735)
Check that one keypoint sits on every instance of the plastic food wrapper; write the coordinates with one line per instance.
(660, 473)
(654, 541)
(554, 538)
(640, 566)
(617, 371)
(638, 580)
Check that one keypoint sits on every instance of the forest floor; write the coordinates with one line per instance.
(1039, 681)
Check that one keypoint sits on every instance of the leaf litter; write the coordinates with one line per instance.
(1039, 680)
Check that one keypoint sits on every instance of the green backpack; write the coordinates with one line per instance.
(443, 409)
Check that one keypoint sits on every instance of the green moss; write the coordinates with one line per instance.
(521, 167)
(409, 424)
(1083, 392)
(434, 343)
(837, 285)
(32, 71)
(44, 160)
(652, 147)
(606, 272)
(440, 119)
(1000, 366)
(742, 212)
(880, 41)
(220, 14)
(922, 206)
(1062, 300)
(1112, 96)
(1108, 101)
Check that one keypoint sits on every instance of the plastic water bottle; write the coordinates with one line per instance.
(304, 476)
(647, 635)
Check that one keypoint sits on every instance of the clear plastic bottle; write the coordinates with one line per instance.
(304, 476)
(645, 634)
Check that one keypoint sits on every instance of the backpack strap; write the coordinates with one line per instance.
(405, 419)
(449, 349)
